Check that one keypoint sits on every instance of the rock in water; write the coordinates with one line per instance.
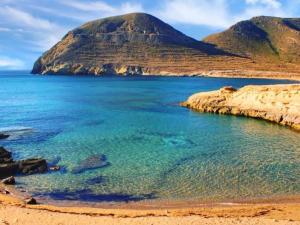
(4, 136)
(31, 166)
(5, 156)
(92, 162)
(9, 167)
(9, 181)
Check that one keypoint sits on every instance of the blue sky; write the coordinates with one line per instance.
(30, 27)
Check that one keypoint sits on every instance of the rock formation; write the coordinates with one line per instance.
(276, 103)
(9, 167)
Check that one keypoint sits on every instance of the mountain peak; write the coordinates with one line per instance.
(263, 37)
(130, 43)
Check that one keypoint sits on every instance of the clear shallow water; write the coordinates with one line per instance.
(155, 149)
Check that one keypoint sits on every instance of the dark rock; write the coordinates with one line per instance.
(9, 181)
(5, 156)
(31, 166)
(30, 201)
(6, 192)
(8, 169)
(3, 136)
(92, 162)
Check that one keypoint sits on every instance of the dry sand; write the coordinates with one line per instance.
(14, 211)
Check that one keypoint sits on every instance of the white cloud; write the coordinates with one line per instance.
(17, 17)
(220, 13)
(5, 29)
(89, 6)
(98, 9)
(206, 12)
(42, 32)
(9, 63)
(271, 3)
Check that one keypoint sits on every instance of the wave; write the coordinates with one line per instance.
(16, 131)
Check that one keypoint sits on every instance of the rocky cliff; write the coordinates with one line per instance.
(140, 44)
(276, 103)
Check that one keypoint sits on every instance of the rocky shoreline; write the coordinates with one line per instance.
(10, 167)
(275, 103)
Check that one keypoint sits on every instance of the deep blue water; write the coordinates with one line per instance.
(151, 147)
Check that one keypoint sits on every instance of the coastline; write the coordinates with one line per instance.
(264, 211)
(211, 74)
(247, 74)
(13, 210)
(274, 103)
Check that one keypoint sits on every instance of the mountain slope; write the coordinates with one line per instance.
(140, 44)
(135, 43)
(262, 38)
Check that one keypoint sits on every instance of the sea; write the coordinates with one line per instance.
(126, 139)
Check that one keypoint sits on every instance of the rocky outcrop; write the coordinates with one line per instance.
(9, 167)
(3, 136)
(9, 181)
(90, 163)
(141, 44)
(276, 103)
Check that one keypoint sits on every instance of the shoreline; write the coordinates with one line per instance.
(17, 197)
(14, 209)
(274, 103)
(154, 204)
(209, 74)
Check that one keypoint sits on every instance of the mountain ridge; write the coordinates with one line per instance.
(141, 44)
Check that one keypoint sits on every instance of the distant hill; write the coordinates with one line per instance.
(264, 38)
(141, 44)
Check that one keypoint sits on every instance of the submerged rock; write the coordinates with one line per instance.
(90, 163)
(96, 180)
(14, 132)
(3, 136)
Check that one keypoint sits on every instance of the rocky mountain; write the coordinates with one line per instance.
(262, 38)
(129, 44)
(140, 44)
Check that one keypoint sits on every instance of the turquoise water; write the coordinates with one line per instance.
(153, 148)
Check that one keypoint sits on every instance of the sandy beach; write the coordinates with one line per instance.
(14, 211)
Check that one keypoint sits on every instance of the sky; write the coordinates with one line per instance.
(30, 27)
